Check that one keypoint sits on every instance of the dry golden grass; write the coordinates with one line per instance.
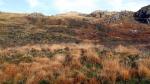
(70, 63)
(125, 73)
(110, 70)
(144, 68)
(130, 50)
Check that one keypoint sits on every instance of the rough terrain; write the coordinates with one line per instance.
(73, 48)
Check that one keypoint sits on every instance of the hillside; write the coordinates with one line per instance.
(117, 28)
(72, 48)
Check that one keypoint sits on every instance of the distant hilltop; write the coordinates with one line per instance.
(142, 15)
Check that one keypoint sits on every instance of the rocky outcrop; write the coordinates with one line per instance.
(101, 14)
(36, 18)
(143, 15)
(112, 17)
(119, 16)
(36, 15)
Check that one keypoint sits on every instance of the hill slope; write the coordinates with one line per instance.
(118, 28)
(98, 48)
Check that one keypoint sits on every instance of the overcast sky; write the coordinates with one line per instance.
(50, 7)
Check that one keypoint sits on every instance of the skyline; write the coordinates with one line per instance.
(52, 7)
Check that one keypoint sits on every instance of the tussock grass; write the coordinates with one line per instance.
(71, 63)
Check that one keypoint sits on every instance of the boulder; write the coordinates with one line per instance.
(143, 15)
